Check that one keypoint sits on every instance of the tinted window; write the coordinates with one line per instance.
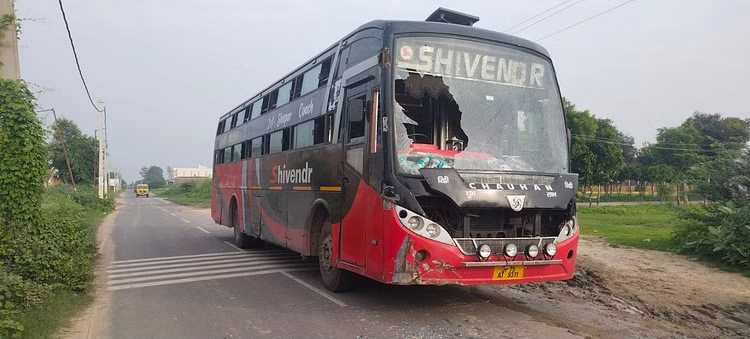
(285, 93)
(234, 120)
(319, 130)
(255, 110)
(303, 134)
(276, 144)
(264, 106)
(237, 150)
(226, 124)
(227, 155)
(272, 98)
(220, 128)
(364, 45)
(256, 147)
(325, 70)
(310, 80)
(297, 90)
(246, 116)
(245, 150)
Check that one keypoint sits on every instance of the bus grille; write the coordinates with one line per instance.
(468, 246)
(513, 179)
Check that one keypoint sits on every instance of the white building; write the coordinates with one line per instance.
(190, 172)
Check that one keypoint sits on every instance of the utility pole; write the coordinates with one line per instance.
(10, 67)
(102, 173)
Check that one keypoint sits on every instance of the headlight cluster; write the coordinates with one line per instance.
(423, 226)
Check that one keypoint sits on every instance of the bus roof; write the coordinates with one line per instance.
(401, 26)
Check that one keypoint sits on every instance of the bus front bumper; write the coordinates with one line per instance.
(442, 264)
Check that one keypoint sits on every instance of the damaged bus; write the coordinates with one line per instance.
(408, 152)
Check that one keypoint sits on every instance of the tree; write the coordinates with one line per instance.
(678, 147)
(82, 152)
(607, 153)
(723, 133)
(596, 152)
(153, 176)
(582, 126)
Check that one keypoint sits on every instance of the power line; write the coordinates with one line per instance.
(78, 64)
(533, 17)
(582, 21)
(547, 17)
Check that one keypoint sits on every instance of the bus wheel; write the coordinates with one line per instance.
(334, 278)
(241, 239)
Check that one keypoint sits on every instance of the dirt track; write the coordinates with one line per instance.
(623, 292)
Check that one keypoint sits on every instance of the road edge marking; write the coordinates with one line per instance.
(202, 229)
(316, 290)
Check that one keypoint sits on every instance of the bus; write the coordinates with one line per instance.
(408, 152)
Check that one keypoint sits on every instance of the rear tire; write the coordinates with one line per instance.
(146, 195)
(334, 278)
(241, 239)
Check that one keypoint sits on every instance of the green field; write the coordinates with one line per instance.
(196, 194)
(642, 226)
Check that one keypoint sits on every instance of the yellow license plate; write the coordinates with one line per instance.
(508, 273)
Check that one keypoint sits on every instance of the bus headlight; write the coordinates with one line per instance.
(484, 251)
(550, 249)
(433, 230)
(510, 250)
(532, 251)
(415, 223)
(567, 230)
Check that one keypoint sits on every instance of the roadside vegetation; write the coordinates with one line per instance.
(47, 235)
(196, 194)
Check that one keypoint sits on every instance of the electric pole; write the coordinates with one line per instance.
(10, 67)
(102, 173)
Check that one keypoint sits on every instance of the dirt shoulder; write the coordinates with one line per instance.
(641, 293)
(92, 322)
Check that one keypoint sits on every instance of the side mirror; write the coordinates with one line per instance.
(356, 110)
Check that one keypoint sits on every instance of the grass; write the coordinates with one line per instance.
(187, 200)
(44, 320)
(641, 226)
(196, 194)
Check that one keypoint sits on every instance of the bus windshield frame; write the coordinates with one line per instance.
(475, 105)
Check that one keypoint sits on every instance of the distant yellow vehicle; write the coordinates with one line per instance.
(141, 189)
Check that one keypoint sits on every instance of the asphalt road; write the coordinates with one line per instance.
(175, 274)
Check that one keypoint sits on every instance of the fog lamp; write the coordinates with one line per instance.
(485, 251)
(550, 249)
(511, 250)
(532, 251)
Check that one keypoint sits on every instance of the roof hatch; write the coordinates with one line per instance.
(452, 17)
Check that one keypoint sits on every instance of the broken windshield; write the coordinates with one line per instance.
(476, 106)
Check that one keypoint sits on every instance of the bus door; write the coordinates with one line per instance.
(353, 172)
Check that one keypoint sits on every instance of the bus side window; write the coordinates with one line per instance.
(356, 110)
(234, 121)
(237, 152)
(247, 115)
(220, 128)
(227, 154)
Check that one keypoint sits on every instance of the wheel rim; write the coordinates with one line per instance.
(326, 260)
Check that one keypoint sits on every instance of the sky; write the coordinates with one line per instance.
(168, 69)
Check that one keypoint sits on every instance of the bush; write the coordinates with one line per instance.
(16, 294)
(87, 196)
(720, 233)
(55, 251)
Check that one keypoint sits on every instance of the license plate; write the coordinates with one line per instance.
(508, 273)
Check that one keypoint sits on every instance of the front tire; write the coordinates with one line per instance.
(334, 278)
